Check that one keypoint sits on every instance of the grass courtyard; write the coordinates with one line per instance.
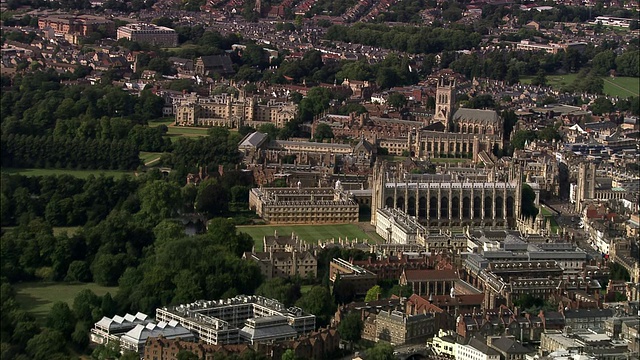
(38, 297)
(311, 233)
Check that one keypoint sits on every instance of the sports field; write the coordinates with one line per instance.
(618, 86)
(37, 297)
(311, 233)
(83, 174)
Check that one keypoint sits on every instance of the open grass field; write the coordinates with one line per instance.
(83, 174)
(310, 233)
(619, 86)
(37, 297)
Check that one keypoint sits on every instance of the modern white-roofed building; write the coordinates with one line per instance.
(242, 319)
(108, 329)
(135, 338)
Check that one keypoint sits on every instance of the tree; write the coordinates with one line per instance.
(397, 100)
(318, 301)
(628, 64)
(280, 289)
(373, 294)
(521, 137)
(528, 201)
(160, 199)
(601, 106)
(289, 354)
(78, 271)
(381, 351)
(540, 78)
(168, 230)
(603, 62)
(61, 319)
(45, 345)
(350, 328)
(323, 131)
(86, 305)
(212, 200)
(270, 129)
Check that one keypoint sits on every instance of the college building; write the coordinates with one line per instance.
(458, 198)
(149, 33)
(304, 206)
(242, 319)
(233, 112)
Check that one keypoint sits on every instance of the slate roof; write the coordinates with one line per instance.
(482, 347)
(218, 63)
(253, 140)
(490, 116)
(509, 346)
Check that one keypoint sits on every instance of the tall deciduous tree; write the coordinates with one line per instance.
(350, 328)
(318, 301)
(160, 199)
(61, 319)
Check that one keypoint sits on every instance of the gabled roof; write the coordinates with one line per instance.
(219, 63)
(482, 347)
(509, 346)
(253, 140)
(490, 116)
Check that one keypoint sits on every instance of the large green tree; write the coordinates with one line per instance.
(318, 301)
(350, 328)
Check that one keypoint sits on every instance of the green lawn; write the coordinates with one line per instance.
(38, 297)
(550, 216)
(149, 158)
(619, 86)
(310, 233)
(622, 86)
(83, 174)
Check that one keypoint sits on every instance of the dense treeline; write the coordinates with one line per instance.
(23, 151)
(220, 147)
(406, 38)
(64, 200)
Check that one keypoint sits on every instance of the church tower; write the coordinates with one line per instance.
(445, 100)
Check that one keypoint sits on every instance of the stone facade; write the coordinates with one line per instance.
(82, 25)
(232, 112)
(303, 206)
(284, 257)
(398, 328)
(448, 200)
(148, 33)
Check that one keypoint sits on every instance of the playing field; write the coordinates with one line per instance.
(310, 233)
(83, 174)
(37, 297)
(618, 86)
